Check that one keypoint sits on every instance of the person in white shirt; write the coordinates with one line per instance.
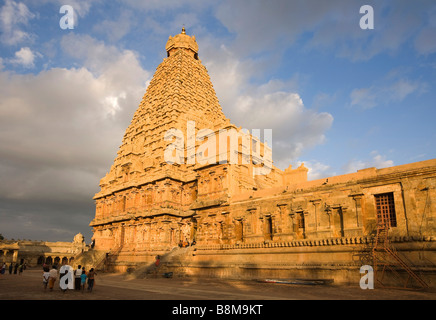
(45, 277)
(77, 274)
(53, 277)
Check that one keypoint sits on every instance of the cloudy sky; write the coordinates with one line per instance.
(337, 97)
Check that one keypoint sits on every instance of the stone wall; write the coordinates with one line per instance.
(312, 229)
(35, 253)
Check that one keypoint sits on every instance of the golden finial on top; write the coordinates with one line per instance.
(183, 30)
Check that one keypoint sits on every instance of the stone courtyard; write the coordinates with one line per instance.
(109, 286)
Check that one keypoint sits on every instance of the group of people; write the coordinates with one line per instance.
(50, 276)
(17, 268)
(184, 244)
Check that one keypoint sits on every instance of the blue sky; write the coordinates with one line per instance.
(336, 97)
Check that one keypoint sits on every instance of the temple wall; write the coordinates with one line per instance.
(337, 259)
(321, 230)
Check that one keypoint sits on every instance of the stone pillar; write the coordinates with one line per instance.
(226, 234)
(253, 226)
(328, 215)
(338, 222)
(410, 215)
(121, 231)
(358, 207)
(316, 212)
(305, 214)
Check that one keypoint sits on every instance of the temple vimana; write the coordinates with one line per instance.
(212, 204)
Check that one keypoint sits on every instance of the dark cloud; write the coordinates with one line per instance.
(54, 220)
(59, 133)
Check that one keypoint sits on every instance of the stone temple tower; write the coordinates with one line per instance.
(148, 203)
(185, 173)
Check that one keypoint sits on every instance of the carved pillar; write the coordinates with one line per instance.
(121, 235)
(338, 221)
(328, 212)
(225, 226)
(104, 209)
(358, 207)
(239, 229)
(317, 211)
(282, 212)
(267, 227)
(252, 232)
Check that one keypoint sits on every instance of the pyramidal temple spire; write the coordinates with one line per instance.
(180, 91)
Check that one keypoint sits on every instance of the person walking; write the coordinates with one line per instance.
(83, 277)
(91, 277)
(16, 268)
(77, 280)
(10, 268)
(20, 269)
(45, 277)
(53, 277)
(3, 270)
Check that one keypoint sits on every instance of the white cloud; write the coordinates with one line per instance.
(24, 57)
(375, 95)
(13, 17)
(378, 161)
(60, 128)
(274, 105)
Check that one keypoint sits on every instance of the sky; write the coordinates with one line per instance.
(337, 97)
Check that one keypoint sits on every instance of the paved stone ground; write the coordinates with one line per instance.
(28, 286)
